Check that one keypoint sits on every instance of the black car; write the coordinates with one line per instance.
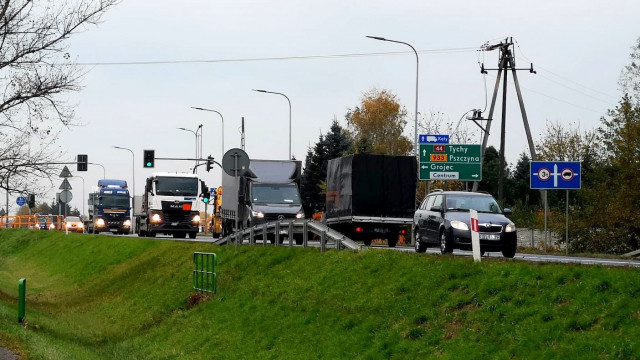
(443, 220)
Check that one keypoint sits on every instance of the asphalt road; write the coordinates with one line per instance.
(518, 256)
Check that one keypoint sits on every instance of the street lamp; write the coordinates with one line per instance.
(277, 93)
(415, 140)
(133, 196)
(104, 173)
(203, 109)
(196, 135)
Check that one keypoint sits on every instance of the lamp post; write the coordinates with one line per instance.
(133, 196)
(221, 117)
(415, 128)
(104, 173)
(277, 93)
(195, 133)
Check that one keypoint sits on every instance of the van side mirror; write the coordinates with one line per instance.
(507, 211)
(436, 208)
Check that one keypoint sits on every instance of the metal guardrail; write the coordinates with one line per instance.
(303, 227)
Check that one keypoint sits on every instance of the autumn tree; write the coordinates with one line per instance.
(36, 75)
(378, 123)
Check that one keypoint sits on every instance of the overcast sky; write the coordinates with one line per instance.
(215, 51)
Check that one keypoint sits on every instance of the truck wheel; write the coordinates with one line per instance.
(420, 246)
(297, 238)
(367, 242)
(192, 235)
(392, 242)
(151, 234)
(445, 244)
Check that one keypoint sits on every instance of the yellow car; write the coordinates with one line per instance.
(73, 223)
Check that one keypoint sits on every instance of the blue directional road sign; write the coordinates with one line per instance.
(21, 201)
(555, 175)
(433, 139)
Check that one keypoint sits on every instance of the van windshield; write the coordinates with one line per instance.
(275, 194)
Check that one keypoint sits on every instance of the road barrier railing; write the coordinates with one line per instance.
(299, 229)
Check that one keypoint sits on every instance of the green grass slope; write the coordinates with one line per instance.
(97, 297)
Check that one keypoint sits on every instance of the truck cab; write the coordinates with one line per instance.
(170, 205)
(109, 207)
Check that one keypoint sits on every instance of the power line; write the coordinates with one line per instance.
(305, 57)
(565, 78)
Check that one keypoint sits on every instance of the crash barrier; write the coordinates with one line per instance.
(35, 222)
(301, 228)
(204, 276)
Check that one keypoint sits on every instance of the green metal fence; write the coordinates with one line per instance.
(204, 276)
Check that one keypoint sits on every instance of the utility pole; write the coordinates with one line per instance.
(507, 62)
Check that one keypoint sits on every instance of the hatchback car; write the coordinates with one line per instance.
(443, 220)
(73, 223)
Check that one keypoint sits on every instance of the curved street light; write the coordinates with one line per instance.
(415, 128)
(196, 135)
(222, 133)
(277, 93)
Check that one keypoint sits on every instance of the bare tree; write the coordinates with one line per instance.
(35, 75)
(439, 123)
(630, 76)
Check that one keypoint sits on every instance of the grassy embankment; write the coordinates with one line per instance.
(95, 297)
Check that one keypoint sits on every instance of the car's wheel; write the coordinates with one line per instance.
(420, 246)
(445, 244)
(297, 238)
(151, 234)
(367, 242)
(509, 249)
(180, 235)
(392, 242)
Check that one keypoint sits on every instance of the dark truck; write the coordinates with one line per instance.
(371, 196)
(268, 191)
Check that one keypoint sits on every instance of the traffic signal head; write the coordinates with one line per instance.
(32, 200)
(83, 160)
(209, 163)
(206, 197)
(149, 158)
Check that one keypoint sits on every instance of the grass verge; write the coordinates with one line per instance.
(97, 297)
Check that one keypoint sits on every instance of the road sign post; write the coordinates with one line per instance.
(461, 162)
(549, 175)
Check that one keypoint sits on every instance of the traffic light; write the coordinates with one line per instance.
(206, 197)
(32, 200)
(149, 158)
(83, 160)
(209, 163)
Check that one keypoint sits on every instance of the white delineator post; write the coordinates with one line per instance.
(475, 235)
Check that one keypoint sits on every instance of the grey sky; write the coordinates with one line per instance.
(140, 106)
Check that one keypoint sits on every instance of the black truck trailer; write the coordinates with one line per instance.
(371, 196)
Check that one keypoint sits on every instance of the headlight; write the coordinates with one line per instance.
(459, 225)
(257, 214)
(300, 215)
(68, 226)
(510, 228)
(99, 222)
(80, 225)
(127, 223)
(196, 218)
(52, 226)
(156, 218)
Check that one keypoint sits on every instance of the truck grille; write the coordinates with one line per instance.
(276, 217)
(176, 217)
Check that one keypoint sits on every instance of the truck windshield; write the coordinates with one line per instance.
(173, 186)
(275, 193)
(114, 201)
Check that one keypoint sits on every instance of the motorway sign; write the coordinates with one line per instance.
(555, 175)
(433, 139)
(21, 201)
(450, 162)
